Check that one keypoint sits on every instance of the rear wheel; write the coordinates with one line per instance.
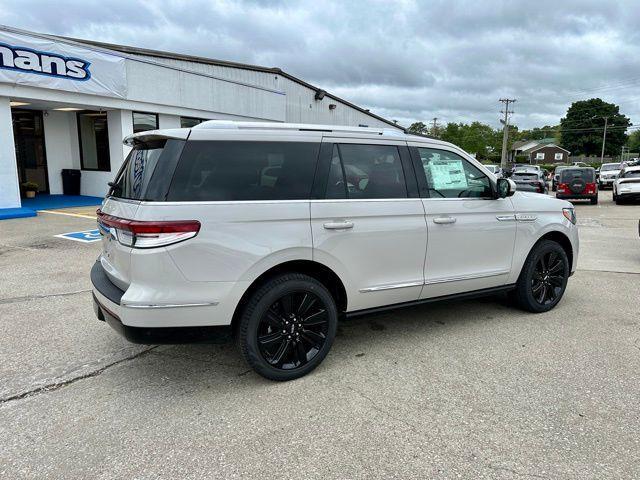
(594, 201)
(543, 279)
(287, 327)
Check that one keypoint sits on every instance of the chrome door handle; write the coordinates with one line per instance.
(444, 220)
(338, 225)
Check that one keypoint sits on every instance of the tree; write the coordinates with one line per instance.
(634, 142)
(418, 128)
(478, 138)
(537, 133)
(581, 130)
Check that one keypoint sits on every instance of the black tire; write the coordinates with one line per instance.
(618, 200)
(613, 193)
(278, 304)
(594, 201)
(527, 294)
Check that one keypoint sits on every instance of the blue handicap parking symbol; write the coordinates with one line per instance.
(86, 236)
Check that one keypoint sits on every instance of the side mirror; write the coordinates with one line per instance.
(505, 187)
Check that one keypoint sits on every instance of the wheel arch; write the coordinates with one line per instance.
(314, 269)
(560, 238)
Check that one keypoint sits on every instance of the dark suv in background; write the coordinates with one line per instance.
(577, 183)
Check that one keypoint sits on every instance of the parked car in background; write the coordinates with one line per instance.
(608, 174)
(556, 176)
(578, 183)
(274, 231)
(530, 180)
(627, 185)
(579, 164)
(495, 169)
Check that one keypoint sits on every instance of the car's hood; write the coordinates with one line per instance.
(609, 173)
(529, 201)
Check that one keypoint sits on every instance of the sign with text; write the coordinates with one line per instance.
(50, 63)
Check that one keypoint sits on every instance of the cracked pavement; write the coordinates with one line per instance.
(470, 389)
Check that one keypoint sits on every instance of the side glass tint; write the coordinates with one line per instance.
(449, 175)
(372, 171)
(336, 186)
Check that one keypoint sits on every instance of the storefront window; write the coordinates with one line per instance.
(93, 136)
(144, 121)
(188, 122)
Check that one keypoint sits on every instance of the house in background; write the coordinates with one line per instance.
(540, 151)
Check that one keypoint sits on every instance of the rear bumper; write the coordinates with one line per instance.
(576, 196)
(629, 196)
(108, 308)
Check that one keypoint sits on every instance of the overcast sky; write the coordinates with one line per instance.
(404, 60)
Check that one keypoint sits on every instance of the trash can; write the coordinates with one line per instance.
(70, 181)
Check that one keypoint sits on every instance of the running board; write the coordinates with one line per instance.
(456, 296)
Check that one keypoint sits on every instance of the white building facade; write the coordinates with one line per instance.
(67, 104)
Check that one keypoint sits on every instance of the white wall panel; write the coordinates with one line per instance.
(9, 190)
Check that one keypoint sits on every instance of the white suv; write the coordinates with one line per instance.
(274, 231)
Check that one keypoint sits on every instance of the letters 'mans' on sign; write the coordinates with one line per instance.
(27, 60)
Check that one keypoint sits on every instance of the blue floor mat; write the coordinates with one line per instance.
(51, 202)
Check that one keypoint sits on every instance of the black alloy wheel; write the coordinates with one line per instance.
(293, 330)
(548, 278)
(543, 278)
(287, 326)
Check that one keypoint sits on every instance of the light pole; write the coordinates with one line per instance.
(604, 139)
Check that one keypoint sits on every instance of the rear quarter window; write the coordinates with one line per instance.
(236, 171)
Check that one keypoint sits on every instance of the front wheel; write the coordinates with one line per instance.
(543, 279)
(287, 327)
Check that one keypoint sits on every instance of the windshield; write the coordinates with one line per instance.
(136, 179)
(610, 166)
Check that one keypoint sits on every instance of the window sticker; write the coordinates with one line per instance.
(447, 175)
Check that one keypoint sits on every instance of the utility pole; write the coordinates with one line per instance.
(434, 128)
(604, 139)
(505, 130)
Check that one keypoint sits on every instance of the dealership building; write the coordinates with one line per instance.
(68, 103)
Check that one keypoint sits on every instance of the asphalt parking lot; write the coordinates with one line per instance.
(472, 389)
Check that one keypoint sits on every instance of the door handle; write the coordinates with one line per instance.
(338, 225)
(444, 220)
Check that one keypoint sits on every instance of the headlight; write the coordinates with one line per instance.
(570, 214)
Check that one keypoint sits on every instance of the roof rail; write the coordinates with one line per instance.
(229, 124)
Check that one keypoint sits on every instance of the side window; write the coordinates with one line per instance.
(449, 175)
(336, 186)
(229, 170)
(367, 171)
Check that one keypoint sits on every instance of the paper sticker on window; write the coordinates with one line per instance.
(448, 175)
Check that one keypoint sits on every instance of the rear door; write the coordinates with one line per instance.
(368, 222)
(471, 234)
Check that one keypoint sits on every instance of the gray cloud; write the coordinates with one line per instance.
(406, 60)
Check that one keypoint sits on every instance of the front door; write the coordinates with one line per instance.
(28, 134)
(471, 233)
(368, 222)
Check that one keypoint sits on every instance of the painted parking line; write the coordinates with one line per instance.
(69, 214)
(86, 236)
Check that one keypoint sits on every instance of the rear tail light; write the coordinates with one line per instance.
(591, 188)
(563, 188)
(149, 234)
